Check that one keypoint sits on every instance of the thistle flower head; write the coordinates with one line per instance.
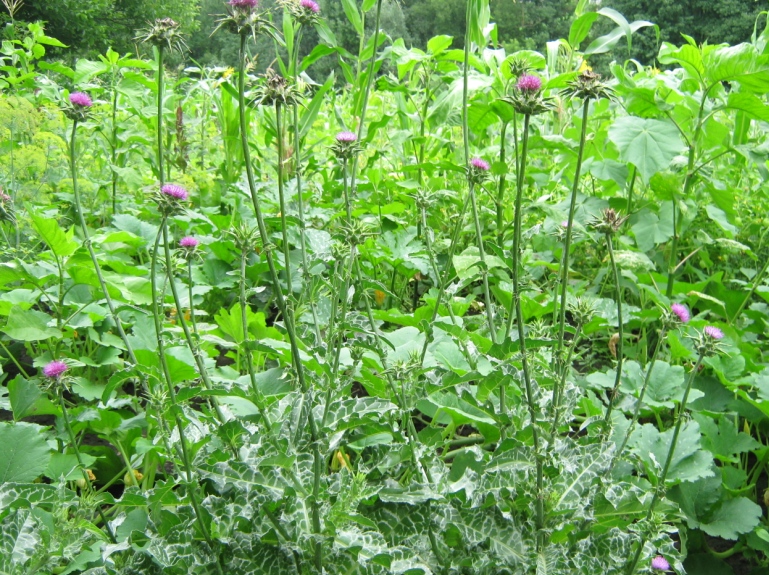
(188, 242)
(54, 369)
(6, 208)
(80, 99)
(609, 222)
(244, 4)
(276, 89)
(242, 18)
(680, 311)
(346, 145)
(163, 33)
(588, 86)
(529, 83)
(174, 191)
(659, 563)
(713, 332)
(310, 5)
(480, 164)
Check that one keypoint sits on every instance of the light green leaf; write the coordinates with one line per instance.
(24, 454)
(29, 325)
(736, 516)
(59, 241)
(649, 144)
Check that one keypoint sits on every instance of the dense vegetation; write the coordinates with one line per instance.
(459, 309)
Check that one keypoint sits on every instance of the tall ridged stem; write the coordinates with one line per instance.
(369, 79)
(666, 467)
(501, 187)
(516, 302)
(194, 348)
(637, 411)
(159, 151)
(560, 313)
(282, 199)
(299, 198)
(471, 185)
(113, 150)
(620, 331)
(91, 252)
(279, 299)
(175, 408)
(76, 450)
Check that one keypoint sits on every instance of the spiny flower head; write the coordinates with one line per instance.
(163, 33)
(681, 311)
(310, 5)
(588, 86)
(244, 4)
(188, 242)
(713, 332)
(346, 137)
(54, 369)
(480, 164)
(174, 191)
(478, 170)
(529, 83)
(80, 99)
(660, 563)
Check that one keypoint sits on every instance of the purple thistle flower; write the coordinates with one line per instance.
(681, 311)
(55, 369)
(310, 5)
(713, 332)
(4, 197)
(660, 563)
(480, 164)
(189, 242)
(346, 137)
(529, 83)
(565, 224)
(80, 99)
(243, 3)
(175, 191)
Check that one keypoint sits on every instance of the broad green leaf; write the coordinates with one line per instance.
(687, 56)
(649, 144)
(750, 104)
(650, 230)
(466, 263)
(689, 462)
(722, 439)
(29, 325)
(27, 399)
(351, 11)
(59, 241)
(734, 517)
(741, 63)
(24, 453)
(580, 28)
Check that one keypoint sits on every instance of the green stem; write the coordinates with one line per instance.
(484, 268)
(501, 188)
(633, 178)
(281, 302)
(663, 476)
(281, 197)
(114, 150)
(561, 315)
(637, 411)
(620, 330)
(76, 450)
(92, 253)
(161, 172)
(530, 400)
(756, 283)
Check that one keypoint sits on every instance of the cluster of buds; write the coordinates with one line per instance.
(609, 223)
(171, 198)
(478, 171)
(588, 86)
(6, 208)
(277, 90)
(163, 33)
(79, 106)
(305, 12)
(242, 18)
(527, 96)
(346, 146)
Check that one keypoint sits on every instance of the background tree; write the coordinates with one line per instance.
(711, 21)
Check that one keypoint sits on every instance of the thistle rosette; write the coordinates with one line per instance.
(275, 89)
(305, 12)
(346, 145)
(78, 106)
(242, 18)
(588, 86)
(527, 97)
(163, 33)
(171, 199)
(478, 171)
